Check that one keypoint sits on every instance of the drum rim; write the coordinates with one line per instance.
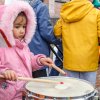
(75, 97)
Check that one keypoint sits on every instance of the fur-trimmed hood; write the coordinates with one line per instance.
(8, 14)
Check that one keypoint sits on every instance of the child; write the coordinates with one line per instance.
(18, 24)
(79, 28)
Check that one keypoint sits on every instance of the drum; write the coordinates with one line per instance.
(75, 89)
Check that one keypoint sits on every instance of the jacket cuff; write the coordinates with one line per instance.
(38, 59)
(3, 70)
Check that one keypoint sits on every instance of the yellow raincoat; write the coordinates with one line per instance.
(79, 28)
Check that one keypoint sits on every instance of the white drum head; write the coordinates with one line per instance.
(76, 87)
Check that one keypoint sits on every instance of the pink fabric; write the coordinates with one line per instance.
(22, 61)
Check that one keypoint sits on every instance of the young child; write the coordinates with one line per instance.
(79, 28)
(18, 23)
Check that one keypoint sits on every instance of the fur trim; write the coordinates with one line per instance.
(10, 14)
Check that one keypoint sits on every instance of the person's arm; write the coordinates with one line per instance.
(5, 70)
(3, 67)
(44, 24)
(36, 65)
(58, 28)
(40, 60)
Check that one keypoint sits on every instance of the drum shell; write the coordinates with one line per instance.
(34, 96)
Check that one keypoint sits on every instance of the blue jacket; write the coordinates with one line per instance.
(44, 32)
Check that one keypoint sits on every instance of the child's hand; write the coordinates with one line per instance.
(46, 61)
(10, 75)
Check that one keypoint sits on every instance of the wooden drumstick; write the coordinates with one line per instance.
(58, 69)
(33, 79)
(37, 80)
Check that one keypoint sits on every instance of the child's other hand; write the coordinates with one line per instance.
(10, 75)
(46, 61)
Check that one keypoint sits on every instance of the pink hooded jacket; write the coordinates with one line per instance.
(17, 57)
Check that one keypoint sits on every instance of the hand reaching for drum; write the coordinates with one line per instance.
(10, 75)
(46, 61)
(50, 63)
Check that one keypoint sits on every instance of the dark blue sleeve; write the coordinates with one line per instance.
(44, 25)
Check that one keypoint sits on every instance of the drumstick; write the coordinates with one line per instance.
(34, 79)
(37, 80)
(58, 69)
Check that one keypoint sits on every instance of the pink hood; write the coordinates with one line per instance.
(8, 14)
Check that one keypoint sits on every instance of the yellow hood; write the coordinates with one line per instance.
(75, 10)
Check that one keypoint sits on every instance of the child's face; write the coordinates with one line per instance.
(19, 27)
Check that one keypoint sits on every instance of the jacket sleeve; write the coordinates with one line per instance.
(58, 28)
(3, 67)
(44, 25)
(36, 65)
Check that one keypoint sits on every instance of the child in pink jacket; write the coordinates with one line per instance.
(18, 23)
